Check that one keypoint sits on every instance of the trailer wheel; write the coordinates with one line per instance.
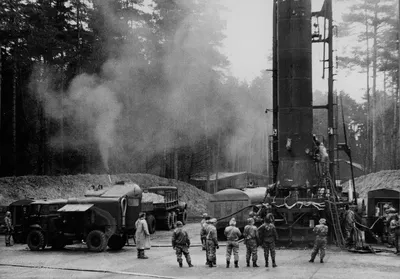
(96, 241)
(35, 240)
(116, 242)
(174, 219)
(184, 217)
(168, 221)
(151, 222)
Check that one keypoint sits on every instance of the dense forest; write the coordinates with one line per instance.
(124, 86)
(93, 86)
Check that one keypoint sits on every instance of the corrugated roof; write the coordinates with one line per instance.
(223, 175)
(389, 179)
(75, 207)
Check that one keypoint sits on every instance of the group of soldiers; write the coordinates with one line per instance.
(264, 236)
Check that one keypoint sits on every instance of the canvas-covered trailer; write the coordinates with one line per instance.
(235, 203)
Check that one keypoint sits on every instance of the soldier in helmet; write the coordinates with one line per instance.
(181, 244)
(9, 228)
(395, 232)
(250, 235)
(202, 230)
(212, 243)
(232, 234)
(321, 231)
(350, 223)
(268, 236)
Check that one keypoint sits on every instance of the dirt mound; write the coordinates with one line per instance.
(51, 187)
(387, 179)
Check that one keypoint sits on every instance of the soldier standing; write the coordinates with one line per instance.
(203, 235)
(142, 236)
(349, 225)
(321, 231)
(232, 234)
(250, 235)
(181, 244)
(212, 243)
(268, 236)
(395, 232)
(203, 223)
(9, 228)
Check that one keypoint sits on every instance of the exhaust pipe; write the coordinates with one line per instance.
(123, 209)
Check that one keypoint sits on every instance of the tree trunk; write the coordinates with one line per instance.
(369, 149)
(374, 97)
(1, 139)
(14, 119)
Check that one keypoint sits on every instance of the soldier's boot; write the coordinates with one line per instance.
(180, 263)
(321, 261)
(248, 263)
(255, 264)
(139, 254)
(236, 264)
(210, 264)
(266, 261)
(227, 264)
(142, 255)
(273, 263)
(190, 264)
(311, 260)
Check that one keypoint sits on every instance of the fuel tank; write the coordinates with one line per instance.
(294, 93)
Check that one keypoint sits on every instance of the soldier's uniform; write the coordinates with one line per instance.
(349, 226)
(181, 244)
(395, 232)
(203, 223)
(9, 228)
(232, 235)
(321, 232)
(268, 236)
(211, 243)
(250, 235)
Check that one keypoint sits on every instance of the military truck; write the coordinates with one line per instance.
(162, 202)
(39, 223)
(104, 217)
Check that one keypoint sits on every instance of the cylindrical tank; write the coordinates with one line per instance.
(234, 203)
(295, 112)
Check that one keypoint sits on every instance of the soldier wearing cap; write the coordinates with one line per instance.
(232, 234)
(250, 235)
(212, 242)
(181, 244)
(321, 232)
(9, 228)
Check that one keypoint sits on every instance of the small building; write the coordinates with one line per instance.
(225, 180)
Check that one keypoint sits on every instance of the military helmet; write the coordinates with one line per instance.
(213, 220)
(179, 224)
(322, 221)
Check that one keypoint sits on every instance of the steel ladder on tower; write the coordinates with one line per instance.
(333, 210)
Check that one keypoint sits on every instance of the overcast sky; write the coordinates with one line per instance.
(249, 44)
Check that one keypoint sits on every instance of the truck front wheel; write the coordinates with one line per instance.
(96, 241)
(174, 219)
(151, 222)
(168, 221)
(184, 217)
(35, 240)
